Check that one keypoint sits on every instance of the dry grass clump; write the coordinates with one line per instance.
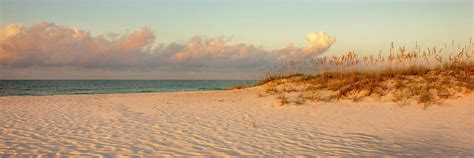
(425, 86)
(426, 97)
(283, 99)
(421, 77)
(299, 100)
(238, 86)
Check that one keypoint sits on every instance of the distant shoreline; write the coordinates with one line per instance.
(151, 92)
(79, 87)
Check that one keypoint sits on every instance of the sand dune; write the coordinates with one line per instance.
(232, 122)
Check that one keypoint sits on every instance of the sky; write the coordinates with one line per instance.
(209, 39)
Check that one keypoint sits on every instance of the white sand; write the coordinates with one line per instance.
(234, 122)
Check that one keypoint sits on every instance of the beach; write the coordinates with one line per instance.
(236, 122)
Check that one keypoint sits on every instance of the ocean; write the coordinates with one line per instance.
(61, 87)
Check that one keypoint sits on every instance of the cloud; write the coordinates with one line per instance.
(9, 30)
(216, 52)
(317, 43)
(50, 45)
(47, 44)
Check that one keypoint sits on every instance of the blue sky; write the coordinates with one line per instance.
(364, 25)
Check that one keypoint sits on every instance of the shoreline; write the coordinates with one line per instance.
(157, 92)
(71, 87)
(257, 90)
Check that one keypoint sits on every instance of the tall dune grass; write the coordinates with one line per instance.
(425, 75)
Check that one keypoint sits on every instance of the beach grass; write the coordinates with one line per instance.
(424, 77)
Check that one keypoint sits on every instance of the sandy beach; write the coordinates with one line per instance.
(236, 78)
(229, 123)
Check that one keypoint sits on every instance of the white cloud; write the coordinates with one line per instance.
(317, 43)
(50, 45)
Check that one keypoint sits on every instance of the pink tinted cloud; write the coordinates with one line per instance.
(47, 44)
(50, 45)
(317, 43)
(216, 52)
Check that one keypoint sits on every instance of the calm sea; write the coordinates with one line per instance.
(57, 87)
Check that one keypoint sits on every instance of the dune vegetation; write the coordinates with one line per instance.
(420, 76)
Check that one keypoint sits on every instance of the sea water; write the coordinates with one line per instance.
(60, 87)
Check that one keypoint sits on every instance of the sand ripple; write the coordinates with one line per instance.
(235, 123)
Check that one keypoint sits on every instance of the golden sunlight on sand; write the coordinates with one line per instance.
(229, 123)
